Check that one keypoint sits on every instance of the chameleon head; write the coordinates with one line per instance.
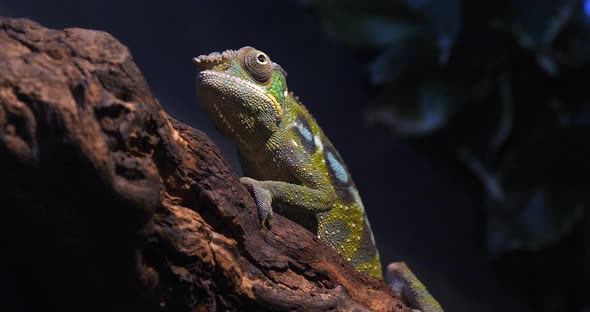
(244, 92)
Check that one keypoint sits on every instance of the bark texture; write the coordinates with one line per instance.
(109, 204)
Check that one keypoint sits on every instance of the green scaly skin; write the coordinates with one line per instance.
(405, 283)
(291, 165)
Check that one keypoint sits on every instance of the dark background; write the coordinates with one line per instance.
(418, 210)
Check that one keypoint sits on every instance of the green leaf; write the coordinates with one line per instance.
(444, 18)
(428, 112)
(370, 31)
(389, 65)
(533, 218)
(412, 60)
(536, 24)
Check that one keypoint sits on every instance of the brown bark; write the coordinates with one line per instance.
(109, 204)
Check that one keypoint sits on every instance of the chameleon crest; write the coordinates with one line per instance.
(291, 166)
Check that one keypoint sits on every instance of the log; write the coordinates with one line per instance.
(109, 204)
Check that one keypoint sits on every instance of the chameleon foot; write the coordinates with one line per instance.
(413, 292)
(263, 200)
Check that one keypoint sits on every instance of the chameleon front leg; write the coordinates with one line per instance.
(406, 284)
(314, 193)
(293, 195)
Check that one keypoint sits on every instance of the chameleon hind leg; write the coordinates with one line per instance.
(413, 292)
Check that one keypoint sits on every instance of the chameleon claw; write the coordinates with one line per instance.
(263, 200)
(265, 214)
(266, 223)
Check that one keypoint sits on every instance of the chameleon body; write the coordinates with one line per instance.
(290, 164)
(289, 161)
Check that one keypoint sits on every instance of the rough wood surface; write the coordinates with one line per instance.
(109, 204)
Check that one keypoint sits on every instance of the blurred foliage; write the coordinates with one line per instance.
(501, 87)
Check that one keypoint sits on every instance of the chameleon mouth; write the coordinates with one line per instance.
(214, 79)
(226, 123)
(214, 108)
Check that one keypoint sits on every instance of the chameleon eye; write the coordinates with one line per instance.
(262, 58)
(258, 65)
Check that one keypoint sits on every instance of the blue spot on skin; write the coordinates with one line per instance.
(305, 132)
(337, 167)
